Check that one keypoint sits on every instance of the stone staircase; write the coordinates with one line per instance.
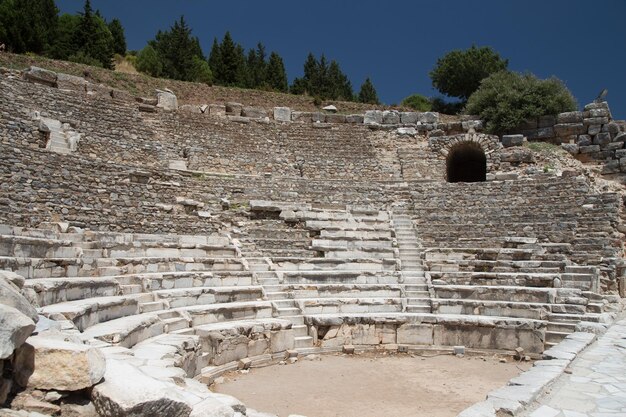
(415, 284)
(282, 305)
(61, 138)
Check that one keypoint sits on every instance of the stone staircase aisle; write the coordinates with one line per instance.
(412, 268)
(283, 306)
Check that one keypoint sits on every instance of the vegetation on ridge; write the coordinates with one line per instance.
(506, 99)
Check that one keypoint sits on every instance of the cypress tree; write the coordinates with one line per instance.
(119, 39)
(215, 61)
(177, 51)
(367, 94)
(28, 25)
(276, 74)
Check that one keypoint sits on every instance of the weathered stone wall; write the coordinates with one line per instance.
(591, 134)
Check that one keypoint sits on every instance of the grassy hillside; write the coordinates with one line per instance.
(187, 92)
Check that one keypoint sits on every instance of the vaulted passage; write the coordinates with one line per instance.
(466, 163)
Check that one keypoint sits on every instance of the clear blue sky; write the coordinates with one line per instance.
(397, 43)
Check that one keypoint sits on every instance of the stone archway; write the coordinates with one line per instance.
(466, 162)
(467, 157)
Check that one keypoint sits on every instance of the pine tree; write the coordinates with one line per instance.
(28, 25)
(257, 67)
(367, 94)
(148, 62)
(339, 84)
(276, 74)
(215, 60)
(231, 69)
(93, 39)
(176, 50)
(65, 41)
(119, 39)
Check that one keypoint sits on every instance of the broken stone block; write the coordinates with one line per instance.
(41, 76)
(234, 109)
(391, 117)
(126, 391)
(348, 349)
(15, 328)
(167, 100)
(65, 366)
(373, 117)
(408, 117)
(428, 117)
(11, 296)
(512, 140)
(71, 82)
(572, 148)
(354, 118)
(570, 117)
(282, 114)
(217, 110)
(253, 112)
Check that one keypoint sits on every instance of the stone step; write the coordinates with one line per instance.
(418, 294)
(176, 324)
(418, 309)
(296, 320)
(131, 289)
(269, 281)
(287, 311)
(563, 327)
(300, 330)
(276, 295)
(418, 301)
(416, 287)
(283, 303)
(566, 318)
(152, 306)
(303, 342)
(555, 337)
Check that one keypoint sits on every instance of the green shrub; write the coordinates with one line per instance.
(459, 73)
(417, 102)
(201, 72)
(82, 58)
(148, 62)
(505, 99)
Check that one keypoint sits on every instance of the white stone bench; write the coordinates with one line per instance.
(132, 329)
(56, 290)
(91, 311)
(183, 297)
(349, 305)
(339, 277)
(186, 279)
(511, 293)
(388, 264)
(231, 341)
(537, 311)
(479, 332)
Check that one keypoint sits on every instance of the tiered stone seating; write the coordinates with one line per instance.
(283, 236)
(150, 290)
(500, 249)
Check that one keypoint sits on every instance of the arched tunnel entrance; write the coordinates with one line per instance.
(466, 162)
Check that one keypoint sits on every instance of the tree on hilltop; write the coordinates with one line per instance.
(367, 94)
(119, 39)
(506, 99)
(177, 49)
(276, 74)
(459, 73)
(323, 79)
(93, 39)
(28, 25)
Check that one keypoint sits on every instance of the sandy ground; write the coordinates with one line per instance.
(371, 386)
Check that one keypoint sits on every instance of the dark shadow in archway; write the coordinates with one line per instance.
(466, 162)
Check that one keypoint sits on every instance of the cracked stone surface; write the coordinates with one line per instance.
(596, 386)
